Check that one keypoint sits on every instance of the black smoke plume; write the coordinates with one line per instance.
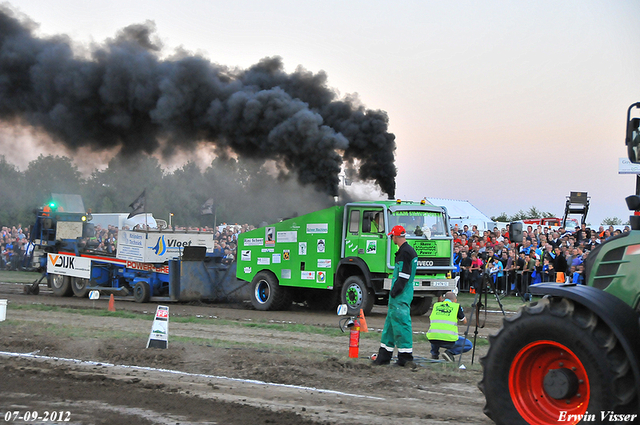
(123, 95)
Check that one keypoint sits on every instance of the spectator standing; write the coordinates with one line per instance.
(560, 265)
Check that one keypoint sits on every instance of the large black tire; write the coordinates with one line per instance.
(420, 305)
(60, 285)
(141, 292)
(554, 358)
(267, 294)
(80, 287)
(356, 296)
(323, 299)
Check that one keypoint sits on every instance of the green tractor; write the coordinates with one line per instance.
(574, 355)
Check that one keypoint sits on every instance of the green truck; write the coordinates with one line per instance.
(343, 255)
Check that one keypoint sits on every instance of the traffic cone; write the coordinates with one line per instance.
(363, 322)
(112, 303)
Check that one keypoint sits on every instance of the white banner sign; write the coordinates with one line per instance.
(155, 247)
(69, 265)
(627, 167)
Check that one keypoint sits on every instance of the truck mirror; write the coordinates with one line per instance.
(633, 137)
(633, 202)
(342, 310)
(633, 140)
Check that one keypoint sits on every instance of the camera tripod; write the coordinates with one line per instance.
(485, 284)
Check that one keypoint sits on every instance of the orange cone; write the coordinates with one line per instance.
(363, 322)
(112, 303)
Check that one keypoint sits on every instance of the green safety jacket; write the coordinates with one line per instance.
(444, 322)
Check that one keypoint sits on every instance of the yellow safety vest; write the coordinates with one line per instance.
(444, 321)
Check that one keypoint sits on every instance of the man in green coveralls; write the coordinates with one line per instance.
(397, 326)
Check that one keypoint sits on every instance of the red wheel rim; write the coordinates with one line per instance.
(526, 384)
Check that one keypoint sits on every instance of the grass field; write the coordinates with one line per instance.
(18, 277)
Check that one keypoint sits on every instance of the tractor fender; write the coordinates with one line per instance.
(342, 271)
(616, 314)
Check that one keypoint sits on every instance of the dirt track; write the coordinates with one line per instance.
(224, 366)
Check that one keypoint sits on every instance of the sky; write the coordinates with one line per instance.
(505, 104)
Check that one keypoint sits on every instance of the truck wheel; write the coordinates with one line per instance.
(267, 294)
(555, 358)
(80, 287)
(420, 305)
(141, 292)
(60, 285)
(356, 296)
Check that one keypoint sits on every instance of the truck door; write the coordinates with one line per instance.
(366, 237)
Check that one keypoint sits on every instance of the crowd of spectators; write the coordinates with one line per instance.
(545, 255)
(14, 245)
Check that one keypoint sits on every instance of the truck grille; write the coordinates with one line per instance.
(433, 262)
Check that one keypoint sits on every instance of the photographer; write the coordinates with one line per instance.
(443, 330)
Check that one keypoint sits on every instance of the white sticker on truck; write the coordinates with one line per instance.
(69, 265)
(318, 228)
(308, 275)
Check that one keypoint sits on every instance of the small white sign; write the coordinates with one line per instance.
(308, 275)
(285, 274)
(318, 228)
(302, 248)
(247, 269)
(287, 236)
(159, 336)
(264, 261)
(275, 258)
(321, 277)
(253, 242)
(245, 255)
(324, 264)
(94, 295)
(321, 246)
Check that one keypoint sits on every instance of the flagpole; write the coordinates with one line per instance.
(146, 223)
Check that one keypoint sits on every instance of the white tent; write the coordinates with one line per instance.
(463, 212)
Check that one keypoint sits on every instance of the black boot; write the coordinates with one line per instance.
(404, 358)
(384, 357)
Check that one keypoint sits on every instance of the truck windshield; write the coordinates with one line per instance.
(417, 223)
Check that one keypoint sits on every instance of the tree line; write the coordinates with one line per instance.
(242, 191)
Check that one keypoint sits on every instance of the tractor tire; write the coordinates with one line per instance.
(420, 305)
(141, 292)
(267, 294)
(60, 285)
(356, 296)
(555, 358)
(80, 287)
